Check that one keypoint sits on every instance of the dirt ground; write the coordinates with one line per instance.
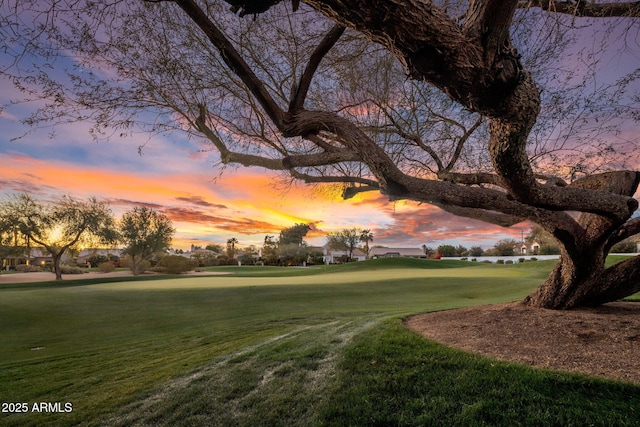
(601, 342)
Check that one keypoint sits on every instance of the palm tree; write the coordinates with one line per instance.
(366, 236)
(231, 247)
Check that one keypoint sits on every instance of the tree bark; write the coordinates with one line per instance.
(55, 257)
(580, 278)
(583, 281)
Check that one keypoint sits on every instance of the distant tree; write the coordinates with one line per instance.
(214, 247)
(345, 240)
(12, 243)
(248, 255)
(447, 250)
(294, 235)
(269, 250)
(366, 236)
(461, 251)
(625, 247)
(144, 232)
(231, 247)
(505, 247)
(292, 254)
(59, 225)
(476, 251)
(549, 249)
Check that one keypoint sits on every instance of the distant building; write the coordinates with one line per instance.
(34, 256)
(331, 256)
(85, 254)
(524, 248)
(334, 256)
(378, 252)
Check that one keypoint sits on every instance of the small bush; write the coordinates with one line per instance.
(106, 267)
(533, 259)
(212, 262)
(24, 268)
(174, 264)
(521, 260)
(508, 261)
(70, 269)
(500, 261)
(142, 267)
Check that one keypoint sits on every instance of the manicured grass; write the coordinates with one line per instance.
(270, 346)
(391, 376)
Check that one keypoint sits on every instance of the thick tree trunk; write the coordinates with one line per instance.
(56, 265)
(585, 282)
(580, 278)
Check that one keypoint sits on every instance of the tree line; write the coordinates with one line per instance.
(545, 245)
(68, 223)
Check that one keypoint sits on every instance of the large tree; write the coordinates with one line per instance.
(293, 235)
(60, 225)
(144, 233)
(481, 128)
(345, 240)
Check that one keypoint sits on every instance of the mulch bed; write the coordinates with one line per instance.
(602, 342)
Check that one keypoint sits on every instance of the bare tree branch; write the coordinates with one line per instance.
(586, 8)
(233, 59)
(297, 101)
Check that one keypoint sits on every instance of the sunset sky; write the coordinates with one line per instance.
(176, 176)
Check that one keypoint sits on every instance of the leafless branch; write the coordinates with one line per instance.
(583, 8)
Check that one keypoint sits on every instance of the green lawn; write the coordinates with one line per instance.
(281, 346)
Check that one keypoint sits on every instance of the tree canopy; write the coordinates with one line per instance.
(474, 107)
(144, 233)
(59, 225)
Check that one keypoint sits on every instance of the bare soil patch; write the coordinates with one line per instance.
(602, 342)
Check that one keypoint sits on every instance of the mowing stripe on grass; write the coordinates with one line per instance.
(279, 381)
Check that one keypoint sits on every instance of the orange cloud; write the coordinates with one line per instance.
(249, 202)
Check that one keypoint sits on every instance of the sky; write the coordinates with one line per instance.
(208, 205)
(177, 176)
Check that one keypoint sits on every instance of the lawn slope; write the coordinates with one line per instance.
(272, 346)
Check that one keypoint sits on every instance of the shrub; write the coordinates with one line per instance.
(106, 267)
(142, 267)
(212, 262)
(174, 264)
(70, 269)
(24, 268)
(500, 261)
(533, 259)
(508, 261)
(624, 247)
(521, 260)
(97, 259)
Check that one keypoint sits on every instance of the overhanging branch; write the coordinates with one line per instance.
(582, 8)
(297, 101)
